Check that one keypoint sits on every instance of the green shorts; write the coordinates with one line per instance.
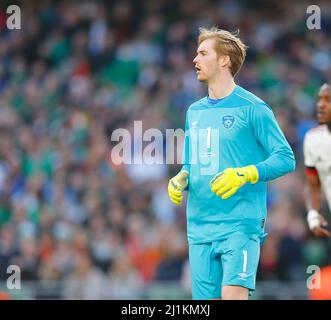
(232, 261)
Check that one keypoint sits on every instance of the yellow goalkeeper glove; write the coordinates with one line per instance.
(176, 185)
(226, 183)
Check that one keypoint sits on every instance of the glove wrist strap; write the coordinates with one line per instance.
(253, 174)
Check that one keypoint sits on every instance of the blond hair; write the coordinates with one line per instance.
(226, 43)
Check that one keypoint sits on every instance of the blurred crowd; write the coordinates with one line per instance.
(78, 70)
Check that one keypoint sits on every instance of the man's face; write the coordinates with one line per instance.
(206, 61)
(324, 105)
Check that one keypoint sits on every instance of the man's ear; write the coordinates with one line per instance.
(224, 61)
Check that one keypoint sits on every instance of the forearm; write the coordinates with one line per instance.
(313, 198)
(276, 165)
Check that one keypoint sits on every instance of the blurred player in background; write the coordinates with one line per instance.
(238, 134)
(317, 158)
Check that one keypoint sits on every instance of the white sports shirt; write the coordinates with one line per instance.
(317, 156)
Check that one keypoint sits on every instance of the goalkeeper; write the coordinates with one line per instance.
(233, 147)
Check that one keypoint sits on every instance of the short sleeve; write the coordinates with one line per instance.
(308, 153)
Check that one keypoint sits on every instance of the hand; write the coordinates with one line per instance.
(317, 224)
(176, 185)
(226, 183)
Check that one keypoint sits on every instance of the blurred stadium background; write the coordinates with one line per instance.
(81, 227)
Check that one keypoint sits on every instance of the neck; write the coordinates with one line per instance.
(221, 87)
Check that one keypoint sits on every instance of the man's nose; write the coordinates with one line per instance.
(321, 104)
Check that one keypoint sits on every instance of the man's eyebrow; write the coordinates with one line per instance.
(202, 50)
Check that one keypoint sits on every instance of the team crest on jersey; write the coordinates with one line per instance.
(228, 121)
